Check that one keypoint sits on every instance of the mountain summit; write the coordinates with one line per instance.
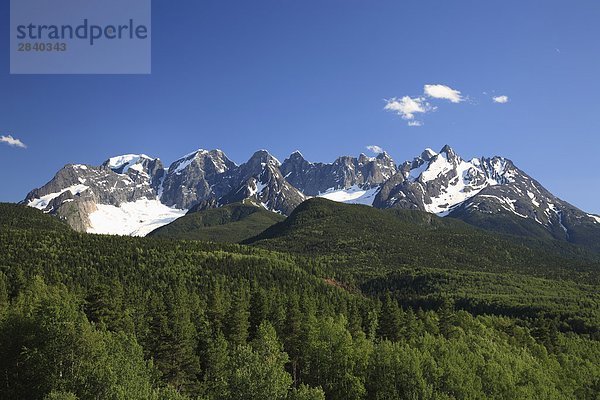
(134, 194)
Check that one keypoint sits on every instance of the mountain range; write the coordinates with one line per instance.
(135, 194)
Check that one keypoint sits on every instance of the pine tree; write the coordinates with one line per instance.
(390, 319)
(237, 323)
(258, 311)
(173, 343)
(447, 318)
(292, 334)
(216, 377)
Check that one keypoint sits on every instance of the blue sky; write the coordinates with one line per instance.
(314, 75)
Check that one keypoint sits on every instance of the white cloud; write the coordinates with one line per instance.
(415, 123)
(11, 141)
(443, 92)
(375, 149)
(408, 106)
(500, 99)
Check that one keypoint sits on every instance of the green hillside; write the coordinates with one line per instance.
(367, 239)
(232, 223)
(105, 317)
(422, 258)
(18, 216)
(581, 232)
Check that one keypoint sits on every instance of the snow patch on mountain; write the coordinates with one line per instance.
(559, 215)
(595, 218)
(533, 199)
(126, 161)
(444, 180)
(352, 195)
(134, 218)
(184, 162)
(459, 189)
(42, 202)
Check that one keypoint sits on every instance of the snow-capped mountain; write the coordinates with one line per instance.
(491, 193)
(78, 192)
(437, 183)
(134, 194)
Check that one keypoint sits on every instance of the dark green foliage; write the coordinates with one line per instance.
(371, 240)
(258, 311)
(232, 223)
(17, 216)
(390, 319)
(506, 223)
(100, 317)
(582, 232)
(238, 319)
(421, 259)
(50, 349)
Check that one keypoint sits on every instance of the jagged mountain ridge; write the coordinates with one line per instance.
(134, 194)
(314, 179)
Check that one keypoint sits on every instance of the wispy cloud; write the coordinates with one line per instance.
(375, 149)
(443, 92)
(415, 123)
(11, 141)
(408, 106)
(500, 99)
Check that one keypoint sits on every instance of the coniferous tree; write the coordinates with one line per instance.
(258, 371)
(237, 323)
(390, 319)
(173, 343)
(258, 311)
(217, 374)
(292, 334)
(447, 319)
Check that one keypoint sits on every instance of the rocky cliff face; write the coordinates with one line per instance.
(345, 172)
(196, 177)
(261, 181)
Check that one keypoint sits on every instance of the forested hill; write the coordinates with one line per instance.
(367, 239)
(231, 223)
(19, 217)
(104, 317)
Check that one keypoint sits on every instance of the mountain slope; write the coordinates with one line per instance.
(231, 223)
(418, 256)
(14, 216)
(195, 177)
(437, 183)
(365, 239)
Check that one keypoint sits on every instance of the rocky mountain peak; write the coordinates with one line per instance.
(449, 154)
(296, 156)
(364, 159)
(428, 154)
